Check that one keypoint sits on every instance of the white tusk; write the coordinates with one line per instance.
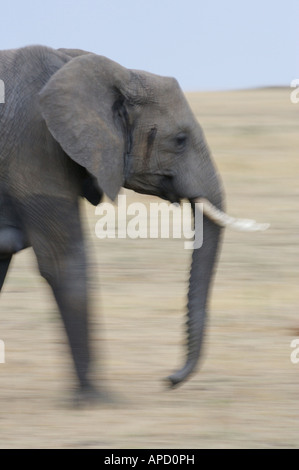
(225, 220)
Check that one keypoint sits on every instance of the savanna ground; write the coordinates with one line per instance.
(246, 393)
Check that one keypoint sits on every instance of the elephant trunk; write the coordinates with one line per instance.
(203, 262)
(201, 275)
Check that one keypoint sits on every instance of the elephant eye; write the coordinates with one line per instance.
(181, 141)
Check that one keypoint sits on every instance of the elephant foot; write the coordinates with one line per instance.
(90, 396)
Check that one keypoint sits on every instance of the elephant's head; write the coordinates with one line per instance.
(134, 129)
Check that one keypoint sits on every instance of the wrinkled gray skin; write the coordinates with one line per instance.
(77, 124)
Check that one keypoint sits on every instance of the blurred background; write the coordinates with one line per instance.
(211, 45)
(235, 61)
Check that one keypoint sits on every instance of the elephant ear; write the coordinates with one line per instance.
(78, 105)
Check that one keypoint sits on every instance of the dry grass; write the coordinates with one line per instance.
(246, 394)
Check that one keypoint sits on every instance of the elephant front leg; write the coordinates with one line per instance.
(56, 236)
(12, 240)
(66, 274)
(4, 265)
(69, 285)
(70, 291)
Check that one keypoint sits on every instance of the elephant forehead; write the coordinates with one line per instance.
(170, 110)
(159, 86)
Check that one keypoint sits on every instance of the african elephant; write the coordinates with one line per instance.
(78, 124)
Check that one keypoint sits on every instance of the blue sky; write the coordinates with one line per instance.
(206, 45)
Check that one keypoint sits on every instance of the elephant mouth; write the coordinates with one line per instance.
(162, 185)
(167, 190)
(154, 184)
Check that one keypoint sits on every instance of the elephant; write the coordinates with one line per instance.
(76, 124)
